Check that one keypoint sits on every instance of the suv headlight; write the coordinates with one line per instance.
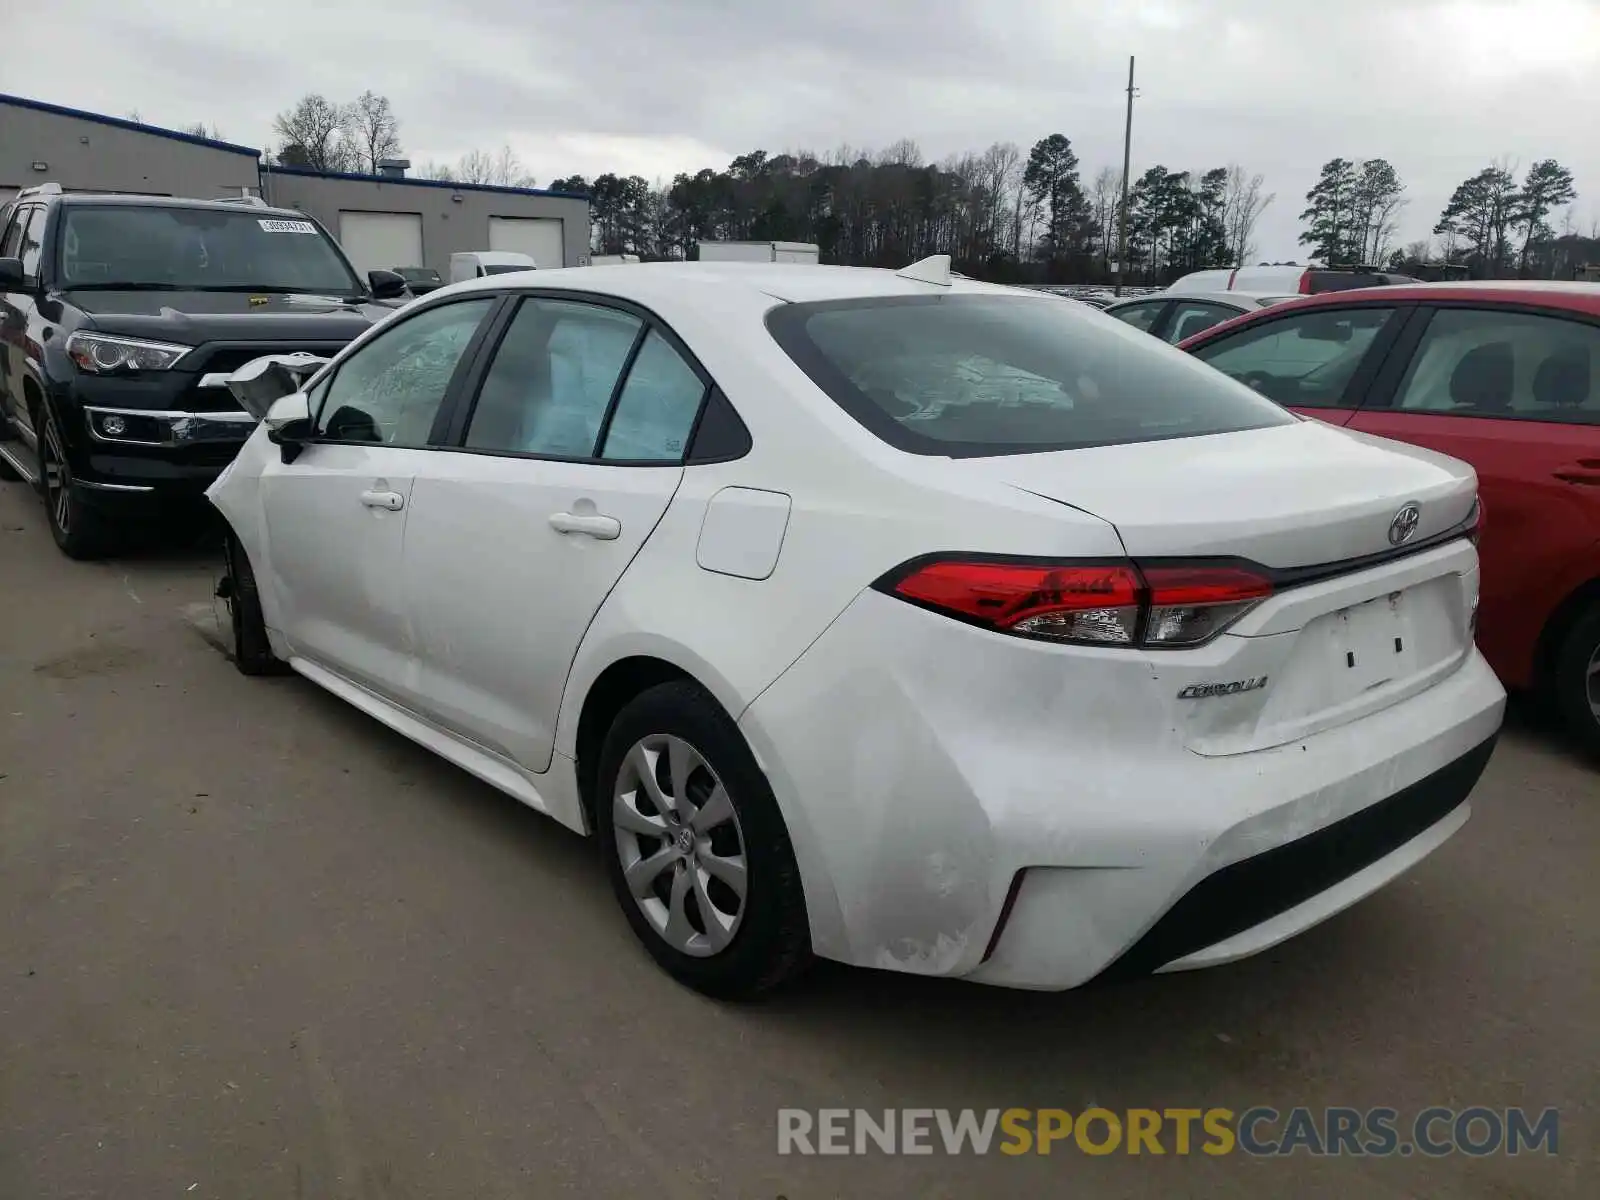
(102, 354)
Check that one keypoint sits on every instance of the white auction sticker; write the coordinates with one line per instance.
(287, 226)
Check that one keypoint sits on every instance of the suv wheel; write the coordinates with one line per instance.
(695, 847)
(1577, 680)
(79, 531)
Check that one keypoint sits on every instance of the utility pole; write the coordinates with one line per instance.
(1122, 220)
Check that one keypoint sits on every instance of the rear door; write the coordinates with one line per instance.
(566, 459)
(1318, 360)
(1514, 393)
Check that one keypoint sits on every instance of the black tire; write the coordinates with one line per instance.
(771, 945)
(79, 530)
(252, 652)
(1572, 684)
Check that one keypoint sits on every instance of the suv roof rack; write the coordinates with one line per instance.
(40, 189)
(251, 201)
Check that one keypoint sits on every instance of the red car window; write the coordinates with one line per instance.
(1504, 364)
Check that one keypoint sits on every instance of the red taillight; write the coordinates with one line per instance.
(1305, 283)
(1192, 604)
(1108, 604)
(1091, 602)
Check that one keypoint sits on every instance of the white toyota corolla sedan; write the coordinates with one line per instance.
(898, 619)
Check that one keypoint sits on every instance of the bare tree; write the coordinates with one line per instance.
(433, 169)
(1243, 203)
(504, 169)
(372, 129)
(313, 133)
(200, 129)
(1105, 194)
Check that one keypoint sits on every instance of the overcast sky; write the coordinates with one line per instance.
(652, 87)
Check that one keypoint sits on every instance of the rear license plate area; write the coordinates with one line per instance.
(1371, 644)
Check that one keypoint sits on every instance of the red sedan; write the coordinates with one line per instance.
(1502, 375)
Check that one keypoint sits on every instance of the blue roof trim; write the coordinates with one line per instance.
(434, 183)
(119, 123)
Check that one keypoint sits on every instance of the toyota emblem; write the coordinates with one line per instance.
(1403, 526)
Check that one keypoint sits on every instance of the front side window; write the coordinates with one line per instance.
(655, 412)
(968, 375)
(199, 249)
(551, 381)
(390, 390)
(1479, 362)
(1306, 360)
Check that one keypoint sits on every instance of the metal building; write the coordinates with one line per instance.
(393, 221)
(87, 152)
(383, 221)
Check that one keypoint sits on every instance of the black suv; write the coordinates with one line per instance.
(113, 312)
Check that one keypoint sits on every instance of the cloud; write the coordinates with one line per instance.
(1439, 87)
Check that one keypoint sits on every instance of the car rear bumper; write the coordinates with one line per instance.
(962, 804)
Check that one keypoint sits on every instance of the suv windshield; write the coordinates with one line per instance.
(198, 249)
(971, 375)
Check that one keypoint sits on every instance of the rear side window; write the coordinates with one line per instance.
(973, 375)
(32, 248)
(1482, 363)
(1141, 315)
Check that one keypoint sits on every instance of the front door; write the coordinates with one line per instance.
(1517, 395)
(572, 452)
(336, 515)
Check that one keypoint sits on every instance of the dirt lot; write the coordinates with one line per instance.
(252, 944)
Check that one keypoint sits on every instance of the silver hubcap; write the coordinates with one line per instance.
(680, 845)
(57, 477)
(1592, 680)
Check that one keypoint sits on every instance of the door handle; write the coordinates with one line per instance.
(607, 529)
(393, 501)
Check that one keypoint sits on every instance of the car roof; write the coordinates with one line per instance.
(1239, 300)
(1557, 293)
(789, 282)
(99, 199)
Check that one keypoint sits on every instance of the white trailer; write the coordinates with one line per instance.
(766, 252)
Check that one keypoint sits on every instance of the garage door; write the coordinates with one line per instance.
(381, 241)
(538, 236)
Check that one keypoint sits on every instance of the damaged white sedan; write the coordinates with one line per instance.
(888, 617)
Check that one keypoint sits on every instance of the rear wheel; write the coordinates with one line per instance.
(1577, 680)
(80, 532)
(695, 847)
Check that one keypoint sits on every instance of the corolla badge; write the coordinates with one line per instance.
(1203, 691)
(1403, 525)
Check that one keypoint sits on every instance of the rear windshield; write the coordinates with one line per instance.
(966, 375)
(199, 249)
(505, 268)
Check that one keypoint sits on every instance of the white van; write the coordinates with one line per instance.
(1284, 279)
(475, 264)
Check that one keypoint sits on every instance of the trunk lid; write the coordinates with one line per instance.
(1313, 655)
(1296, 495)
